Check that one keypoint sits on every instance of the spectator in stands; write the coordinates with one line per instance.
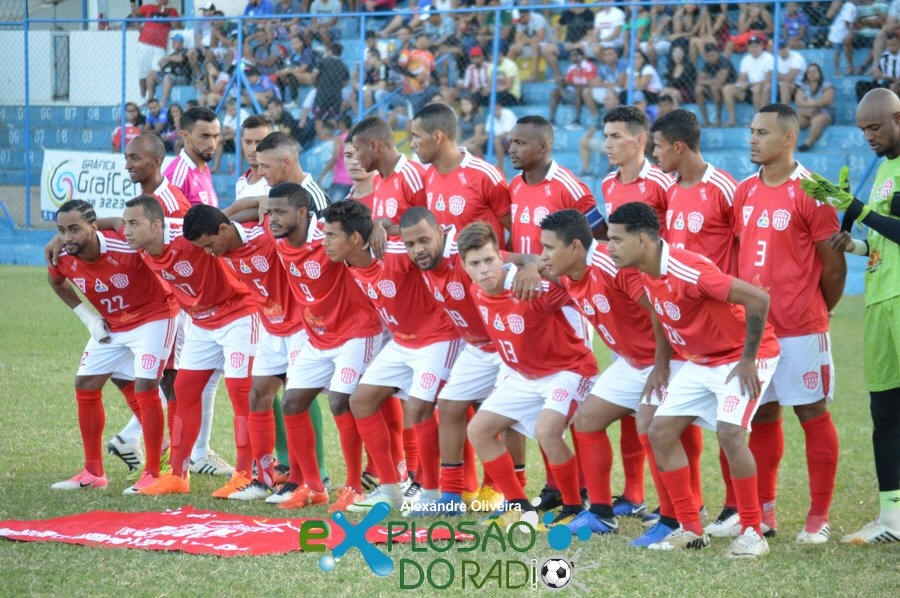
(687, 25)
(437, 27)
(815, 104)
(282, 120)
(261, 51)
(611, 79)
(153, 39)
(173, 70)
(230, 122)
(887, 69)
(298, 68)
(716, 74)
(531, 30)
(417, 67)
(471, 127)
(326, 29)
(341, 183)
(331, 77)
(257, 8)
(571, 89)
(641, 23)
(754, 21)
(644, 78)
(381, 16)
(156, 119)
(665, 105)
(570, 32)
(375, 86)
(891, 25)
(262, 88)
(134, 120)
(870, 17)
(716, 29)
(660, 32)
(590, 142)
(281, 8)
(203, 40)
(476, 81)
(446, 71)
(499, 124)
(509, 84)
(486, 34)
(680, 79)
(306, 124)
(840, 30)
(608, 22)
(791, 67)
(756, 68)
(794, 27)
(169, 134)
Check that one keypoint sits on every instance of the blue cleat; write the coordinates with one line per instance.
(654, 535)
(623, 507)
(596, 524)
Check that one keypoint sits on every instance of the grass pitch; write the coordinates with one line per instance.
(41, 341)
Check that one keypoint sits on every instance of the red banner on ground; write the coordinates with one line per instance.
(186, 530)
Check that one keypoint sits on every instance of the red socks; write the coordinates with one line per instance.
(392, 412)
(153, 425)
(767, 446)
(594, 451)
(185, 422)
(745, 492)
(452, 478)
(427, 473)
(91, 419)
(566, 475)
(261, 428)
(678, 485)
(351, 446)
(239, 393)
(411, 450)
(692, 441)
(504, 477)
(551, 481)
(130, 398)
(730, 500)
(665, 503)
(822, 461)
(632, 460)
(374, 433)
(301, 439)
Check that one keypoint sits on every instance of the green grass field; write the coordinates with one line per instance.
(39, 445)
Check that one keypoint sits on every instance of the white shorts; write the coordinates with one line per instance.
(228, 348)
(473, 375)
(521, 399)
(416, 372)
(271, 354)
(805, 373)
(582, 327)
(175, 355)
(137, 353)
(701, 391)
(622, 384)
(148, 58)
(337, 369)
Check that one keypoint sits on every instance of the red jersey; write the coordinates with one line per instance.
(533, 337)
(449, 285)
(203, 285)
(155, 32)
(333, 309)
(476, 190)
(779, 228)
(701, 218)
(256, 264)
(402, 189)
(171, 199)
(403, 301)
(650, 187)
(119, 285)
(607, 297)
(560, 190)
(690, 298)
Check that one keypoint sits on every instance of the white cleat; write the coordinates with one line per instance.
(874, 532)
(726, 525)
(748, 545)
(818, 537)
(389, 493)
(131, 454)
(211, 464)
(255, 490)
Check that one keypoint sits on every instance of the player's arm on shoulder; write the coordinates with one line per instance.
(110, 223)
(527, 283)
(756, 310)
(834, 273)
(381, 229)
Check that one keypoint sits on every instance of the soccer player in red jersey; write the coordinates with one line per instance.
(539, 382)
(717, 324)
(189, 171)
(627, 131)
(143, 158)
(221, 333)
(343, 328)
(459, 187)
(699, 218)
(784, 249)
(610, 298)
(133, 333)
(433, 250)
(415, 361)
(398, 181)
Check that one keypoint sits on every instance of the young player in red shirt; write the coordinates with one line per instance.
(221, 333)
(699, 218)
(717, 323)
(539, 384)
(415, 361)
(132, 333)
(784, 248)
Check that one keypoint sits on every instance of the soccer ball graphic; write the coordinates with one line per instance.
(556, 573)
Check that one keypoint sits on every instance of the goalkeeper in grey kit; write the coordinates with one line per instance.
(878, 117)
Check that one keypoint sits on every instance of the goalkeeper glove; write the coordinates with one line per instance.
(837, 196)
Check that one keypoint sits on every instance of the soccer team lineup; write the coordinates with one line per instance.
(450, 317)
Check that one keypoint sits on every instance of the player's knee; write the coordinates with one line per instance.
(731, 438)
(145, 384)
(768, 413)
(811, 411)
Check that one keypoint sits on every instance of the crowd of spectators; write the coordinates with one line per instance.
(294, 68)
